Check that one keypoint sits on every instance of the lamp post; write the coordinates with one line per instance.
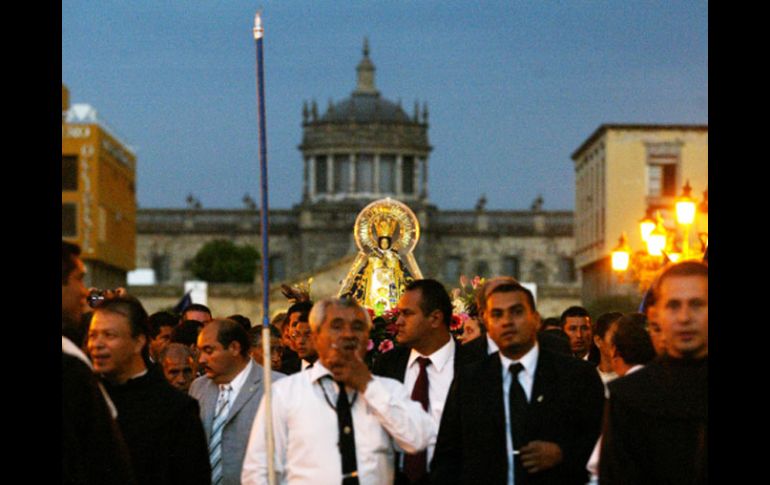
(660, 242)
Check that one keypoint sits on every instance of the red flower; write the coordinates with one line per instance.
(371, 313)
(457, 322)
(370, 345)
(385, 346)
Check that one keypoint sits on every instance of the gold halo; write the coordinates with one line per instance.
(408, 225)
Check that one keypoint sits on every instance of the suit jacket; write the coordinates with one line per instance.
(393, 364)
(237, 427)
(565, 408)
(93, 450)
(162, 430)
(656, 425)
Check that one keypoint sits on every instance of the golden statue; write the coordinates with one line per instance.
(386, 232)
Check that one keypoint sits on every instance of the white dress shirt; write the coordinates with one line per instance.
(441, 371)
(236, 385)
(593, 461)
(526, 378)
(305, 431)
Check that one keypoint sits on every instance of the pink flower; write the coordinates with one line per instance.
(476, 281)
(457, 321)
(385, 346)
(463, 281)
(370, 345)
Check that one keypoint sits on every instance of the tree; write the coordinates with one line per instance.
(221, 261)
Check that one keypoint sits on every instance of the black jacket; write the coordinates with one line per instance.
(565, 408)
(163, 431)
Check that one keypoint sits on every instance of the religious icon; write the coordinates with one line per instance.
(386, 231)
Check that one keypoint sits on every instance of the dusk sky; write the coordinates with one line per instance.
(512, 87)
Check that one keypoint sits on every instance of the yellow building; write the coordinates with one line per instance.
(98, 195)
(621, 172)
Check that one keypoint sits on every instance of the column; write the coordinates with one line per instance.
(399, 163)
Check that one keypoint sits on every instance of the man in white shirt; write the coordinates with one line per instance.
(322, 435)
(229, 395)
(425, 313)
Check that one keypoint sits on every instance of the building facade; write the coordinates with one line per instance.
(623, 172)
(98, 195)
(361, 149)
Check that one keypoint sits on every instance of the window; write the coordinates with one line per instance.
(662, 163)
(407, 175)
(276, 269)
(69, 173)
(69, 220)
(452, 268)
(481, 269)
(566, 269)
(161, 265)
(321, 173)
(511, 266)
(341, 174)
(539, 273)
(365, 173)
(388, 174)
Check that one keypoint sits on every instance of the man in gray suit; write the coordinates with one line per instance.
(229, 394)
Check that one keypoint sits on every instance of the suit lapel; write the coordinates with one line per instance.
(208, 405)
(247, 392)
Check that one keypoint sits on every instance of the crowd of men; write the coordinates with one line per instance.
(166, 398)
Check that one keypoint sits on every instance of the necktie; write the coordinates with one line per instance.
(215, 443)
(517, 402)
(347, 441)
(415, 466)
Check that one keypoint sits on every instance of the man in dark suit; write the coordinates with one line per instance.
(425, 313)
(231, 387)
(523, 414)
(160, 424)
(482, 346)
(656, 422)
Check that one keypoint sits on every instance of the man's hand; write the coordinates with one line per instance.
(537, 456)
(347, 367)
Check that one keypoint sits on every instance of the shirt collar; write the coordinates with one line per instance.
(634, 369)
(528, 360)
(69, 347)
(240, 379)
(317, 371)
(491, 345)
(439, 358)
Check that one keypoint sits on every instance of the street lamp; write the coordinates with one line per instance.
(660, 242)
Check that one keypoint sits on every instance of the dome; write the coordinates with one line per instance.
(366, 108)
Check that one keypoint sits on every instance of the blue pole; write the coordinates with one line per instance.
(270, 443)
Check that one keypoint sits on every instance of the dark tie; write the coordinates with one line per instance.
(347, 441)
(415, 466)
(517, 402)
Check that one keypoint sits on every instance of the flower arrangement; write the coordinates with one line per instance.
(383, 335)
(464, 304)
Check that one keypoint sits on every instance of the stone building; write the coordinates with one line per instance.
(360, 149)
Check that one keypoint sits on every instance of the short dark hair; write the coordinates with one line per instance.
(573, 311)
(69, 251)
(551, 322)
(161, 319)
(685, 268)
(255, 334)
(131, 308)
(197, 307)
(603, 322)
(433, 296)
(230, 331)
(632, 340)
(186, 332)
(513, 287)
(303, 307)
(243, 320)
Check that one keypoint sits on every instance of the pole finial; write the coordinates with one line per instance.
(259, 32)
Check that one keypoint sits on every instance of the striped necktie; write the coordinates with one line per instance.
(215, 443)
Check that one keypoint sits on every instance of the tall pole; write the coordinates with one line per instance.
(258, 34)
